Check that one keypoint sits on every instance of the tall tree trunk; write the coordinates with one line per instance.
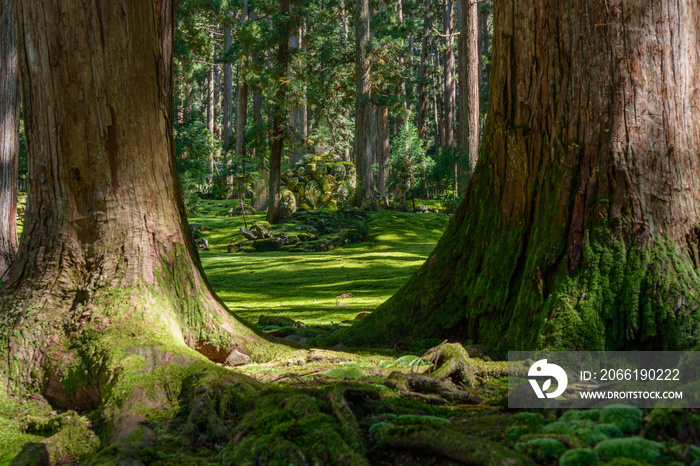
(365, 121)
(110, 260)
(9, 137)
(470, 96)
(450, 91)
(227, 105)
(298, 112)
(383, 151)
(242, 113)
(579, 228)
(484, 47)
(279, 116)
(211, 100)
(422, 79)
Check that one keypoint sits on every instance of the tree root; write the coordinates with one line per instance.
(450, 362)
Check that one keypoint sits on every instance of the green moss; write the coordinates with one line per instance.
(579, 457)
(541, 449)
(634, 448)
(627, 418)
(345, 372)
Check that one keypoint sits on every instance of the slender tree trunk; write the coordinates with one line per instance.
(579, 228)
(298, 113)
(211, 100)
(470, 96)
(242, 113)
(484, 47)
(279, 117)
(9, 137)
(450, 91)
(110, 256)
(422, 79)
(227, 108)
(365, 121)
(383, 150)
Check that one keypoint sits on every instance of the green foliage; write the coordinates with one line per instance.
(627, 418)
(541, 449)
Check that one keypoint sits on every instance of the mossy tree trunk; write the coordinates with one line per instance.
(106, 253)
(579, 229)
(9, 137)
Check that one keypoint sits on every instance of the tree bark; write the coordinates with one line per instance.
(242, 113)
(211, 77)
(228, 97)
(108, 254)
(450, 96)
(470, 95)
(484, 47)
(9, 137)
(579, 228)
(365, 121)
(422, 79)
(383, 151)
(279, 116)
(298, 113)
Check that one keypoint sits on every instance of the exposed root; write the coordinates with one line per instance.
(451, 362)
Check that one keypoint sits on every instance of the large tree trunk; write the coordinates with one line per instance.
(365, 121)
(9, 137)
(579, 228)
(298, 112)
(484, 47)
(279, 117)
(106, 260)
(450, 96)
(470, 95)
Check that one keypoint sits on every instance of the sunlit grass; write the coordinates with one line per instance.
(304, 286)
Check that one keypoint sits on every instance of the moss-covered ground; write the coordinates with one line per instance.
(305, 286)
(394, 406)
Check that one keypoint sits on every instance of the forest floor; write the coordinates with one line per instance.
(384, 406)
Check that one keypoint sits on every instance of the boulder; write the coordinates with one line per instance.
(313, 192)
(320, 171)
(247, 234)
(292, 183)
(259, 232)
(301, 172)
(421, 209)
(202, 244)
(267, 245)
(339, 171)
(328, 184)
(289, 201)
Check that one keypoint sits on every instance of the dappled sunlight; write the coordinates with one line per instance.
(307, 286)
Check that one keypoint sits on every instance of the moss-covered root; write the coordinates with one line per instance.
(451, 362)
(430, 390)
(452, 445)
(69, 436)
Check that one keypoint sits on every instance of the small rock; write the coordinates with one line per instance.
(236, 358)
(361, 315)
(296, 338)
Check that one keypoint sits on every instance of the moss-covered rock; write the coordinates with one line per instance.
(541, 450)
(634, 448)
(579, 457)
(627, 418)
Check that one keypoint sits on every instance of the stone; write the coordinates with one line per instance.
(202, 244)
(339, 171)
(362, 315)
(296, 338)
(286, 176)
(343, 190)
(259, 232)
(421, 209)
(325, 198)
(292, 183)
(267, 245)
(247, 234)
(260, 188)
(313, 192)
(289, 201)
(320, 171)
(328, 184)
(277, 321)
(308, 178)
(300, 188)
(236, 358)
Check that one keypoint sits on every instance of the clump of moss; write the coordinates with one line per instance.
(627, 418)
(542, 450)
(579, 457)
(634, 448)
(525, 423)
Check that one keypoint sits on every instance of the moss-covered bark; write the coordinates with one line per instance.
(579, 227)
